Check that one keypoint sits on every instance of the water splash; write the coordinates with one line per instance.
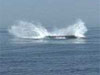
(28, 30)
(78, 29)
(37, 31)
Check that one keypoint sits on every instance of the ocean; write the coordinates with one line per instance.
(21, 54)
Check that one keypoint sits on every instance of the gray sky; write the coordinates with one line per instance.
(50, 12)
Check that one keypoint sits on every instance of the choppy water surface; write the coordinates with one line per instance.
(20, 56)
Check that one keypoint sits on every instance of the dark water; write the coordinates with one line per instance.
(50, 57)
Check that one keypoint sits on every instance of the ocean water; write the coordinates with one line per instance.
(27, 56)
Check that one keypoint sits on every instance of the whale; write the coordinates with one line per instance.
(61, 37)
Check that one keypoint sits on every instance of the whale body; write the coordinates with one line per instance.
(62, 37)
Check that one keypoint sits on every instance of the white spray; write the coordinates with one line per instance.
(37, 31)
(78, 29)
(28, 30)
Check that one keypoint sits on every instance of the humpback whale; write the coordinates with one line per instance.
(62, 37)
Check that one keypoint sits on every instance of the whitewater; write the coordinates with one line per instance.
(23, 29)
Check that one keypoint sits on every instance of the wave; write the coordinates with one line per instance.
(25, 29)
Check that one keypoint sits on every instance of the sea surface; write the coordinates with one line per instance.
(50, 57)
